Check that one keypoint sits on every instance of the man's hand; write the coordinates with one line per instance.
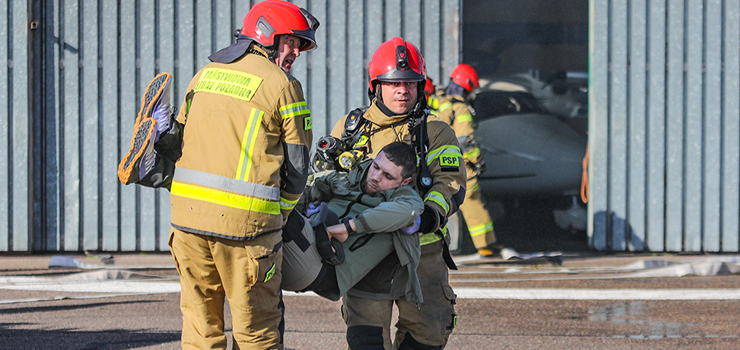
(339, 232)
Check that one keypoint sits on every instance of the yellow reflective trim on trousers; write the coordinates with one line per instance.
(481, 229)
(228, 82)
(464, 118)
(288, 204)
(444, 151)
(224, 198)
(294, 109)
(250, 136)
(438, 198)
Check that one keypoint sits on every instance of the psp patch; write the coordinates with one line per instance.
(449, 163)
(307, 123)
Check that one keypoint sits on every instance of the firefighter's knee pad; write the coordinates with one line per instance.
(409, 343)
(365, 338)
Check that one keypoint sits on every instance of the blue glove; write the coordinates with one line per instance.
(413, 228)
(162, 112)
(312, 209)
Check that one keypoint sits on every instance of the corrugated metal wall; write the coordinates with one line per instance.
(75, 74)
(664, 125)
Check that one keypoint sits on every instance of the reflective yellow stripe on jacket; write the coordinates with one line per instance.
(431, 237)
(250, 136)
(221, 190)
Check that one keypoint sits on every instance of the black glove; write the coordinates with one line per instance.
(429, 220)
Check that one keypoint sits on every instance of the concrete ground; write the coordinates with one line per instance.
(571, 301)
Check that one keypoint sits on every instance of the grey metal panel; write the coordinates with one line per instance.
(147, 197)
(731, 130)
(19, 138)
(675, 128)
(694, 128)
(412, 22)
(316, 88)
(53, 147)
(109, 124)
(185, 66)
(204, 45)
(431, 42)
(6, 24)
(656, 127)
(392, 26)
(224, 28)
(637, 126)
(89, 128)
(72, 133)
(451, 37)
(166, 63)
(337, 58)
(712, 128)
(356, 52)
(129, 100)
(375, 34)
(618, 128)
(598, 140)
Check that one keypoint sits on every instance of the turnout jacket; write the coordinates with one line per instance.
(377, 218)
(245, 144)
(454, 111)
(443, 157)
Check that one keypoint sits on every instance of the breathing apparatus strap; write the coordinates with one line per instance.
(352, 125)
(420, 141)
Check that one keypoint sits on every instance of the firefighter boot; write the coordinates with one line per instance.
(152, 120)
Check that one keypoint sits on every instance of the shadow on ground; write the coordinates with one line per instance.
(80, 340)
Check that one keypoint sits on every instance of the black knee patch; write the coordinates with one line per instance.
(365, 338)
(409, 343)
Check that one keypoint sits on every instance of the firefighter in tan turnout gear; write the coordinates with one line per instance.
(397, 113)
(453, 109)
(242, 168)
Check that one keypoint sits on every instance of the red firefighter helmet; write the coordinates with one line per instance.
(429, 87)
(465, 76)
(268, 19)
(397, 60)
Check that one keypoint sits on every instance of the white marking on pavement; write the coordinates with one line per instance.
(597, 294)
(113, 286)
(158, 287)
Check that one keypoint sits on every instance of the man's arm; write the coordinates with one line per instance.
(402, 207)
(297, 137)
(399, 211)
(446, 164)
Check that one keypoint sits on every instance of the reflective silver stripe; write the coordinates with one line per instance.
(227, 184)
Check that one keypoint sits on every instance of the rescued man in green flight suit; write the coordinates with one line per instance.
(380, 215)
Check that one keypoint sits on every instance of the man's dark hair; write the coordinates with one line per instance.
(403, 155)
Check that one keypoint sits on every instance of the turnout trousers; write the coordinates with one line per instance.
(246, 272)
(427, 327)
